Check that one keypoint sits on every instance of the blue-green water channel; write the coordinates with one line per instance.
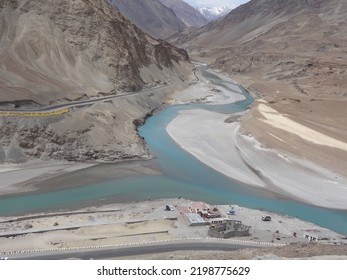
(181, 175)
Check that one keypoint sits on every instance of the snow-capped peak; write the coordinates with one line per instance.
(212, 13)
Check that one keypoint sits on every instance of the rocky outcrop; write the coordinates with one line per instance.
(2, 154)
(15, 154)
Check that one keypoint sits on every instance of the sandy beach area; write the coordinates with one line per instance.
(14, 177)
(210, 139)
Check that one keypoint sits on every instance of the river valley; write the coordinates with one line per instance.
(172, 173)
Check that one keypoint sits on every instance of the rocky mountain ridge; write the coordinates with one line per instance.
(68, 50)
(151, 16)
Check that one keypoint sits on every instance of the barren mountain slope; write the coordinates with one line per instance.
(57, 51)
(292, 54)
(186, 13)
(53, 50)
(151, 16)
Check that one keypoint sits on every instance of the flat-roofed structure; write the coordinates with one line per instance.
(195, 220)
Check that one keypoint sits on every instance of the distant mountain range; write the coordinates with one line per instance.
(164, 18)
(212, 13)
(160, 18)
(186, 13)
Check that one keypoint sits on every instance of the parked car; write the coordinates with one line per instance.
(211, 215)
(266, 218)
(169, 208)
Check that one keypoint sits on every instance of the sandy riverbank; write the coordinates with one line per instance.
(218, 144)
(203, 91)
(14, 176)
(309, 127)
(275, 119)
(45, 176)
(210, 139)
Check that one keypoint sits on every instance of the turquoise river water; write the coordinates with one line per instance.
(181, 175)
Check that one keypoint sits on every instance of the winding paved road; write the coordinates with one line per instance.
(83, 103)
(92, 101)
